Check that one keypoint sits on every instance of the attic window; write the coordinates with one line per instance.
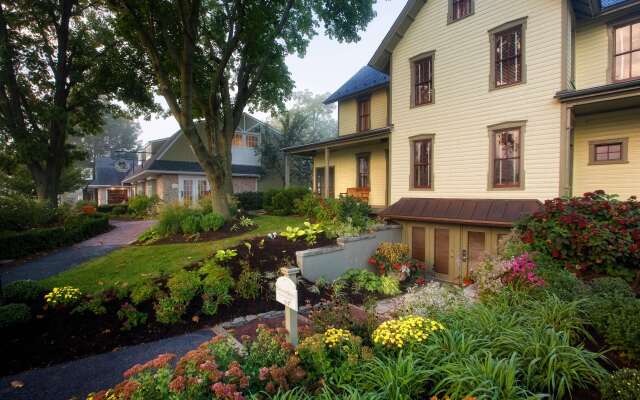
(459, 9)
(237, 140)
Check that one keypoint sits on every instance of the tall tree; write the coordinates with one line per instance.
(213, 58)
(117, 134)
(307, 120)
(61, 70)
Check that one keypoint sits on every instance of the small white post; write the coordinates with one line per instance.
(287, 294)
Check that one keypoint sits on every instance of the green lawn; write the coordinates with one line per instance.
(135, 264)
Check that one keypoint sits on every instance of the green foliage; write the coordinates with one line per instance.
(175, 219)
(562, 283)
(611, 288)
(131, 317)
(142, 206)
(24, 291)
(190, 224)
(170, 219)
(361, 281)
(216, 287)
(282, 201)
(401, 377)
(169, 310)
(345, 216)
(184, 286)
(595, 231)
(624, 384)
(14, 315)
(225, 255)
(389, 285)
(211, 222)
(18, 212)
(94, 305)
(249, 200)
(266, 349)
(149, 236)
(76, 229)
(143, 292)
(248, 283)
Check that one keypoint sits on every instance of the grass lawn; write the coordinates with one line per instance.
(134, 264)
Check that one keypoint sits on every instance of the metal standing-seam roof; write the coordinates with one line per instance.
(483, 212)
(364, 80)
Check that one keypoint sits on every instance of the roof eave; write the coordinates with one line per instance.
(331, 100)
(379, 133)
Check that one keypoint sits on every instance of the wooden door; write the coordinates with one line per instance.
(446, 242)
(475, 247)
(418, 241)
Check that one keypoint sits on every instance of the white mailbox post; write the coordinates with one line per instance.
(287, 294)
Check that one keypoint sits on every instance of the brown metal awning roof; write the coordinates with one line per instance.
(484, 212)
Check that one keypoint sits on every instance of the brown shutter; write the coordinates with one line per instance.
(441, 243)
(417, 243)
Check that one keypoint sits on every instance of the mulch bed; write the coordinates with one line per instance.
(58, 336)
(225, 232)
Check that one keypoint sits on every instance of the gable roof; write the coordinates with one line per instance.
(366, 79)
(380, 59)
(105, 173)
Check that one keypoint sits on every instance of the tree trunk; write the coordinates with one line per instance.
(46, 184)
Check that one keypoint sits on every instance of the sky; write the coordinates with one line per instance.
(325, 67)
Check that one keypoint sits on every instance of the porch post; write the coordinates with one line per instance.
(287, 171)
(326, 172)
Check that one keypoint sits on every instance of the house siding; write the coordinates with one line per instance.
(592, 55)
(464, 106)
(344, 162)
(622, 179)
(348, 113)
(165, 189)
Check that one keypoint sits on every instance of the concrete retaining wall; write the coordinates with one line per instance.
(350, 252)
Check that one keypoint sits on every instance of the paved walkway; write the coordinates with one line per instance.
(81, 377)
(125, 232)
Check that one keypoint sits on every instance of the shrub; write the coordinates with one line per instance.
(611, 288)
(169, 310)
(562, 283)
(248, 283)
(18, 212)
(142, 206)
(594, 231)
(13, 315)
(216, 286)
(149, 236)
(94, 305)
(170, 219)
(624, 384)
(402, 376)
(617, 319)
(432, 299)
(63, 296)
(212, 222)
(120, 210)
(360, 281)
(131, 317)
(143, 292)
(190, 224)
(345, 216)
(250, 200)
(282, 201)
(225, 255)
(205, 204)
(184, 286)
(25, 291)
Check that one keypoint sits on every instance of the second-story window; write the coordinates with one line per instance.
(423, 81)
(237, 140)
(422, 163)
(252, 140)
(507, 57)
(459, 9)
(364, 115)
(627, 52)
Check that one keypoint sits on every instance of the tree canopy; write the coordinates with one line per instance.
(116, 135)
(61, 70)
(212, 59)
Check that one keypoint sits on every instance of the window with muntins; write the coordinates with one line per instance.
(363, 171)
(460, 9)
(423, 81)
(626, 58)
(506, 158)
(237, 140)
(608, 152)
(364, 115)
(252, 140)
(508, 56)
(422, 161)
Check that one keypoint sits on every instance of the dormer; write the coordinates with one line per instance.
(363, 102)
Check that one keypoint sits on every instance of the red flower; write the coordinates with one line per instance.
(372, 261)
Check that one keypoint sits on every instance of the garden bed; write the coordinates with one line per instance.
(54, 336)
(228, 230)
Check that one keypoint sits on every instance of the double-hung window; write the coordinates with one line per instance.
(507, 56)
(364, 115)
(363, 170)
(422, 160)
(626, 57)
(507, 158)
(423, 81)
(459, 9)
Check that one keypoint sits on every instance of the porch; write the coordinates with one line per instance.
(356, 165)
(603, 141)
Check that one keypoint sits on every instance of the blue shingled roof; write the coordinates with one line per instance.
(609, 3)
(106, 173)
(365, 79)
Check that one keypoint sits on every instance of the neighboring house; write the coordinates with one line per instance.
(471, 112)
(107, 186)
(169, 169)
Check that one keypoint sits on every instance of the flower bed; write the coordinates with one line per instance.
(236, 282)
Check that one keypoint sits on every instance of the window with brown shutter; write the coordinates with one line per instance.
(422, 163)
(364, 115)
(459, 9)
(626, 53)
(506, 158)
(363, 170)
(423, 81)
(507, 56)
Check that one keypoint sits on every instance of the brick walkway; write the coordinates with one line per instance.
(124, 233)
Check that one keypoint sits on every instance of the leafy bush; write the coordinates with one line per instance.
(248, 283)
(250, 200)
(142, 206)
(93, 304)
(345, 216)
(360, 281)
(13, 315)
(624, 384)
(175, 219)
(562, 283)
(76, 229)
(611, 288)
(216, 286)
(18, 212)
(190, 224)
(211, 222)
(169, 310)
(120, 209)
(394, 258)
(143, 292)
(25, 291)
(282, 201)
(149, 236)
(225, 255)
(131, 317)
(184, 286)
(594, 231)
(63, 296)
(170, 219)
(309, 231)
